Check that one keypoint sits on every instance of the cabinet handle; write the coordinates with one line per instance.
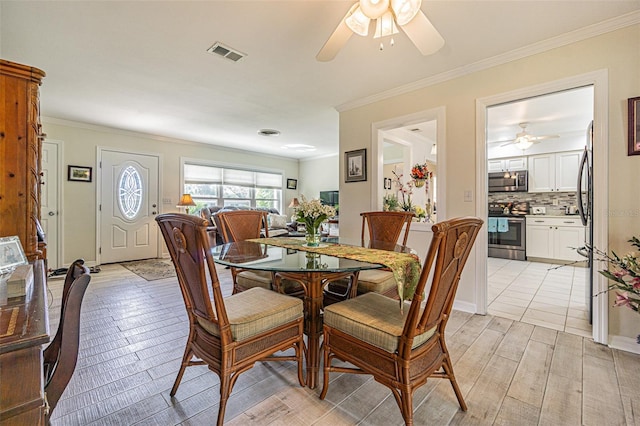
(569, 221)
(539, 221)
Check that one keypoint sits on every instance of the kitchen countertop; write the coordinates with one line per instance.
(553, 215)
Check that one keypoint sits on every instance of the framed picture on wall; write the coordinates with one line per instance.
(355, 163)
(79, 173)
(292, 183)
(634, 126)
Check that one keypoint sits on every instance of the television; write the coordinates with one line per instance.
(329, 198)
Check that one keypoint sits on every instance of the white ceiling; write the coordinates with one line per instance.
(143, 66)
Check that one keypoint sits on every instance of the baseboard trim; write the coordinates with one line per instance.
(624, 344)
(465, 306)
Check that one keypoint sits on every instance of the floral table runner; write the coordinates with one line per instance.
(405, 266)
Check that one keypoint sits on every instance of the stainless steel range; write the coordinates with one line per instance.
(506, 227)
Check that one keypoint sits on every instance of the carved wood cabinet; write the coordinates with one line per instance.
(20, 155)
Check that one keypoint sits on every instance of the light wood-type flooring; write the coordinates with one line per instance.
(511, 373)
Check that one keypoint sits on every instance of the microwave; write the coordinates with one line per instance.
(508, 181)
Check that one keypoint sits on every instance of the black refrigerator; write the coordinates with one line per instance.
(584, 198)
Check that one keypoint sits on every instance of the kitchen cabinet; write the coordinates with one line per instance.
(507, 164)
(556, 172)
(554, 237)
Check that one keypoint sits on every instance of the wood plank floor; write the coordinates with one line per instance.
(511, 373)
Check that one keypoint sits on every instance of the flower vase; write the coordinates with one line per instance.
(419, 183)
(312, 236)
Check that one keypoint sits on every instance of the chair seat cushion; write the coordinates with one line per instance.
(251, 279)
(374, 319)
(376, 280)
(255, 311)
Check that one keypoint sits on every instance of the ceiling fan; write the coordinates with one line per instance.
(525, 140)
(388, 15)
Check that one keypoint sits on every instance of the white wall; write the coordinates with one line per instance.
(319, 174)
(80, 142)
(617, 51)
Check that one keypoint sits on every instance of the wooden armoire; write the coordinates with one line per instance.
(20, 155)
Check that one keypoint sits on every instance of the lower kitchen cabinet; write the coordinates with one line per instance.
(554, 238)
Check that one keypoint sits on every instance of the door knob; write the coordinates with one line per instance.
(153, 205)
(153, 212)
(52, 214)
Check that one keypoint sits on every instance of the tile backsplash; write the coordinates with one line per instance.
(555, 202)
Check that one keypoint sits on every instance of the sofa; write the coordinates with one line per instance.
(277, 223)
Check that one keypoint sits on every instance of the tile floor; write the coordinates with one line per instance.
(537, 293)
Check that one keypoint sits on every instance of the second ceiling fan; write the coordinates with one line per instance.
(388, 15)
(524, 140)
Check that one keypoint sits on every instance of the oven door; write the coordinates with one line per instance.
(512, 238)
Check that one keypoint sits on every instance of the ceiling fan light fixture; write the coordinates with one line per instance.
(358, 22)
(374, 9)
(405, 10)
(385, 26)
(523, 143)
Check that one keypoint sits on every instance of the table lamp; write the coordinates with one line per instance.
(292, 205)
(186, 201)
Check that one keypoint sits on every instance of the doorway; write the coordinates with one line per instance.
(598, 80)
(50, 201)
(128, 204)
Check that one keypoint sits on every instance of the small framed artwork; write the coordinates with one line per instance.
(11, 254)
(634, 126)
(79, 173)
(292, 183)
(387, 183)
(355, 163)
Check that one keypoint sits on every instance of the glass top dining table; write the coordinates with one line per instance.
(311, 270)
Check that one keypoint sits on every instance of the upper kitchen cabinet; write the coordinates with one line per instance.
(507, 164)
(20, 155)
(556, 172)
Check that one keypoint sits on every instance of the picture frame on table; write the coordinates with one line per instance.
(634, 126)
(292, 183)
(355, 163)
(79, 173)
(11, 254)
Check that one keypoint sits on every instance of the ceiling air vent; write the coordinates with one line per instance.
(226, 52)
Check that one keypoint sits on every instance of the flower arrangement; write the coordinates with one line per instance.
(405, 189)
(420, 171)
(625, 277)
(312, 213)
(390, 203)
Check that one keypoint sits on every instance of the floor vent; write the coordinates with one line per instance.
(226, 52)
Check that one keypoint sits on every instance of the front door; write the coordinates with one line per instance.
(129, 204)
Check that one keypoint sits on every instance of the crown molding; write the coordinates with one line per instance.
(584, 33)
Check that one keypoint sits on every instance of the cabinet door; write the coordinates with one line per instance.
(566, 240)
(542, 173)
(495, 166)
(517, 163)
(539, 241)
(567, 164)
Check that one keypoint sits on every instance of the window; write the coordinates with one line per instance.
(214, 185)
(130, 192)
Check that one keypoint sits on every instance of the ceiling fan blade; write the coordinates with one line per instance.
(339, 38)
(539, 138)
(511, 142)
(423, 34)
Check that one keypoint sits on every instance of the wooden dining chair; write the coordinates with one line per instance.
(228, 335)
(383, 227)
(240, 225)
(61, 356)
(403, 350)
